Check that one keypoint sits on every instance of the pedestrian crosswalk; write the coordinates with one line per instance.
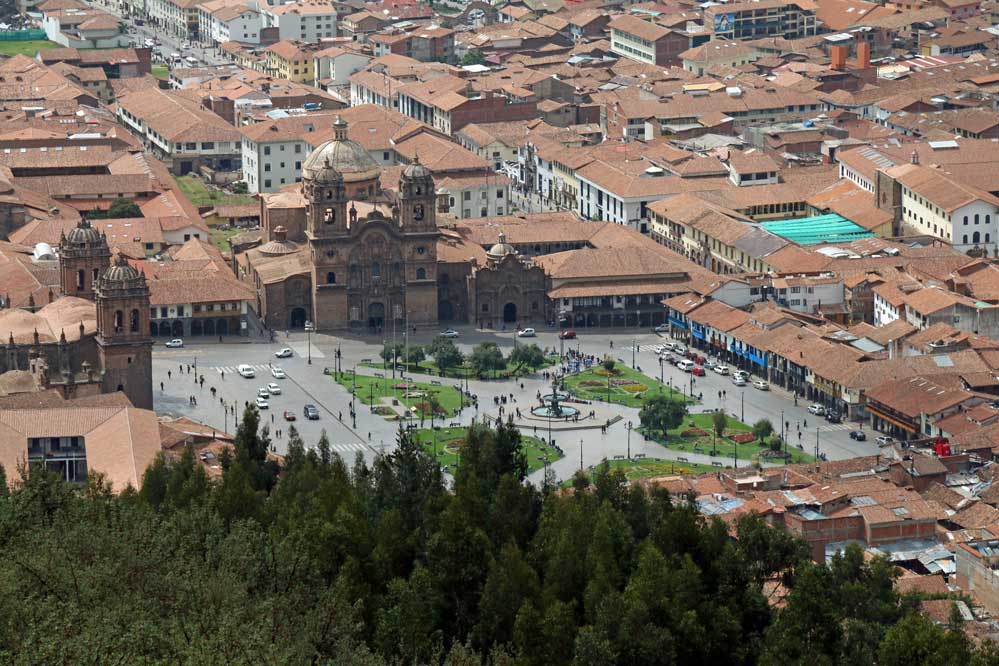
(348, 448)
(231, 369)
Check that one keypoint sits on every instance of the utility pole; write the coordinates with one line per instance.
(580, 454)
(630, 426)
(742, 409)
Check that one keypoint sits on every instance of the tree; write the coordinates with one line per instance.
(763, 429)
(413, 354)
(485, 357)
(719, 422)
(472, 58)
(445, 353)
(240, 187)
(123, 208)
(661, 413)
(609, 363)
(527, 356)
(392, 351)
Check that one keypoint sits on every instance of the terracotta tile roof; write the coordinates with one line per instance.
(177, 118)
(633, 25)
(978, 514)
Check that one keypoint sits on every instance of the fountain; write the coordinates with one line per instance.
(553, 407)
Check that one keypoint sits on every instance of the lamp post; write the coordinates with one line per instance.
(308, 333)
(634, 347)
(742, 408)
(783, 439)
(629, 426)
(580, 454)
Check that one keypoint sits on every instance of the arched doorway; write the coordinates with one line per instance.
(222, 328)
(177, 330)
(154, 330)
(197, 327)
(445, 311)
(298, 318)
(510, 313)
(376, 315)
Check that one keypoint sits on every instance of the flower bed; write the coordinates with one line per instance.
(603, 372)
(622, 382)
(590, 382)
(383, 411)
(772, 454)
(424, 408)
(742, 437)
(694, 432)
(635, 388)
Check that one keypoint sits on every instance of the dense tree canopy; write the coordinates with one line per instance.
(387, 563)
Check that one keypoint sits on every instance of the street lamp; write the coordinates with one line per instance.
(634, 347)
(742, 408)
(629, 426)
(308, 331)
(580, 454)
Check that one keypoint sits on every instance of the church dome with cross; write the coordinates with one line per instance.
(340, 156)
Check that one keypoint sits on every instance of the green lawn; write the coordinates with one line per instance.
(29, 47)
(644, 468)
(160, 71)
(444, 448)
(221, 237)
(370, 390)
(723, 447)
(430, 368)
(627, 386)
(200, 194)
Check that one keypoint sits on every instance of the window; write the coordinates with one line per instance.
(267, 167)
(180, 310)
(298, 148)
(965, 239)
(385, 155)
(196, 307)
(298, 166)
(421, 274)
(976, 218)
(466, 196)
(976, 237)
(965, 220)
(207, 145)
(80, 278)
(267, 150)
(133, 321)
(485, 307)
(331, 278)
(329, 217)
(267, 182)
(282, 165)
(119, 321)
(376, 270)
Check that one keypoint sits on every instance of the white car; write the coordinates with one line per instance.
(721, 369)
(817, 409)
(273, 389)
(262, 403)
(526, 333)
(278, 373)
(686, 365)
(263, 393)
(761, 385)
(738, 381)
(885, 440)
(285, 352)
(449, 333)
(679, 349)
(176, 342)
(661, 328)
(246, 371)
(660, 349)
(742, 374)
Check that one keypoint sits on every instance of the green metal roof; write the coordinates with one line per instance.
(830, 228)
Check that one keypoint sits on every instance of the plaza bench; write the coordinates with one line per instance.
(380, 374)
(717, 464)
(618, 457)
(435, 382)
(682, 459)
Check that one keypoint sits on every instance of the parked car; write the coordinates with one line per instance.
(568, 334)
(246, 371)
(679, 348)
(697, 370)
(659, 349)
(817, 409)
(721, 369)
(832, 416)
(858, 435)
(527, 333)
(176, 342)
(286, 352)
(738, 381)
(278, 373)
(311, 412)
(661, 328)
(761, 385)
(262, 403)
(669, 346)
(741, 373)
(289, 415)
(273, 389)
(710, 363)
(686, 365)
(449, 333)
(885, 440)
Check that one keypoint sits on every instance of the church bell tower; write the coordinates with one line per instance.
(124, 345)
(83, 255)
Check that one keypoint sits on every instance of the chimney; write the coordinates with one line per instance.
(280, 234)
(863, 55)
(838, 58)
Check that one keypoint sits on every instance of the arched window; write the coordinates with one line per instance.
(965, 220)
(418, 212)
(133, 321)
(376, 270)
(965, 239)
(976, 218)
(331, 278)
(988, 219)
(976, 237)
(421, 273)
(119, 321)
(329, 217)
(986, 237)
(80, 278)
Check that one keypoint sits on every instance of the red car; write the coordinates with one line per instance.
(568, 334)
(697, 370)
(289, 416)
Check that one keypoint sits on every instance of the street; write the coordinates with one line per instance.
(306, 384)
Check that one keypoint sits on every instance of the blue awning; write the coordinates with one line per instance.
(677, 322)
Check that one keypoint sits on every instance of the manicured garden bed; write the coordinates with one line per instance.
(371, 390)
(626, 386)
(696, 435)
(445, 447)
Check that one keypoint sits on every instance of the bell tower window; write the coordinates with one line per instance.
(418, 212)
(329, 217)
(80, 278)
(331, 278)
(133, 323)
(119, 321)
(376, 270)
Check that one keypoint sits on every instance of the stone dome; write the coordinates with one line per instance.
(501, 249)
(416, 171)
(121, 271)
(340, 157)
(83, 234)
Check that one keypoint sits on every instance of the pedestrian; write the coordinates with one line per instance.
(169, 376)
(340, 416)
(369, 436)
(612, 344)
(272, 418)
(195, 400)
(222, 373)
(161, 387)
(181, 368)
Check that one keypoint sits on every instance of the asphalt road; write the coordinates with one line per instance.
(307, 384)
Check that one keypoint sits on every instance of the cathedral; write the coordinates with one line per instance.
(94, 338)
(344, 252)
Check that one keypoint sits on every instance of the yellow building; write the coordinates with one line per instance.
(290, 60)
